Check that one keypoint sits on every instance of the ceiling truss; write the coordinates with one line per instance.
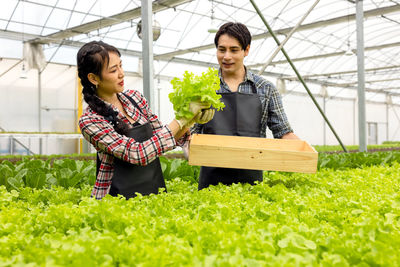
(64, 37)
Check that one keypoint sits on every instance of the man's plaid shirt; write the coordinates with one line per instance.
(109, 144)
(273, 115)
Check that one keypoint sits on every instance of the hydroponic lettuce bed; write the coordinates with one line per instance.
(332, 218)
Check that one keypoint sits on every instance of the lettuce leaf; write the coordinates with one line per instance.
(195, 88)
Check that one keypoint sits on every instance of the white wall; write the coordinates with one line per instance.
(19, 108)
(343, 115)
(394, 123)
(308, 123)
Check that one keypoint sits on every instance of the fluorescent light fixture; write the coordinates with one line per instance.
(24, 72)
(348, 52)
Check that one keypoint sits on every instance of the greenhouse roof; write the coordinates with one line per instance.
(323, 47)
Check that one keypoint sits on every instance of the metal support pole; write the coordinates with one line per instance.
(398, 118)
(40, 108)
(324, 108)
(11, 145)
(159, 101)
(387, 121)
(297, 73)
(147, 48)
(354, 121)
(362, 126)
(287, 38)
(20, 143)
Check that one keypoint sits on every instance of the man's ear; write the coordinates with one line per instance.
(246, 51)
(93, 78)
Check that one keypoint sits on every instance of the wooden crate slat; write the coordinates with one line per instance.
(252, 153)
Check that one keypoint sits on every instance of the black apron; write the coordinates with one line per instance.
(130, 178)
(240, 117)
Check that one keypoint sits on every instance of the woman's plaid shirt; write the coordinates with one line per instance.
(109, 144)
(273, 116)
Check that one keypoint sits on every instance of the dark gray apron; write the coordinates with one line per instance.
(240, 117)
(130, 178)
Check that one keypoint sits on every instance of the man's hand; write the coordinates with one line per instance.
(290, 136)
(195, 107)
(205, 116)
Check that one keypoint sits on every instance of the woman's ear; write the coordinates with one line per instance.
(93, 78)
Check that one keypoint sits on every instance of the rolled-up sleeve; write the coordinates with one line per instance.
(276, 120)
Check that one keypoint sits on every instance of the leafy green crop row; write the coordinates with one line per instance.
(337, 148)
(39, 174)
(391, 143)
(357, 160)
(332, 218)
(75, 173)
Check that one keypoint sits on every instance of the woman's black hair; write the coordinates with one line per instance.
(91, 58)
(236, 30)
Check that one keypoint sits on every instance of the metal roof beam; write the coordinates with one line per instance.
(279, 75)
(373, 81)
(292, 78)
(270, 74)
(392, 88)
(106, 22)
(310, 26)
(18, 37)
(169, 78)
(370, 48)
(341, 98)
(331, 84)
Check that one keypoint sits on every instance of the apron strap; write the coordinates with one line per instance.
(111, 119)
(134, 103)
(253, 88)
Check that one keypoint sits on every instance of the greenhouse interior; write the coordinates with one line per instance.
(333, 202)
(321, 42)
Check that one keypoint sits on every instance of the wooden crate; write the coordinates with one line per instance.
(252, 153)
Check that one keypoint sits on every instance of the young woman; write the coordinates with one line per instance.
(128, 137)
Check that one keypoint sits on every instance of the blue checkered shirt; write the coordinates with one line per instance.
(273, 115)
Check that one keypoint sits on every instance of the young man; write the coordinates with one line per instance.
(251, 104)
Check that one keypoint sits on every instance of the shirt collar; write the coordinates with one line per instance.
(247, 77)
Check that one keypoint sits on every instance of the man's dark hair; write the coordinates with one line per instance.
(236, 30)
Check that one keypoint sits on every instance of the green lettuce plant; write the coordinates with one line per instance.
(195, 88)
